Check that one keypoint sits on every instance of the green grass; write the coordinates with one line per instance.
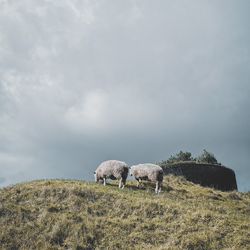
(68, 214)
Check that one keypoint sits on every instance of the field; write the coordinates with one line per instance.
(72, 214)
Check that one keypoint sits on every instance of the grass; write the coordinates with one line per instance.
(68, 214)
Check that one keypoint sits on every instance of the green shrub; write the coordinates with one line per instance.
(181, 156)
(207, 157)
(204, 157)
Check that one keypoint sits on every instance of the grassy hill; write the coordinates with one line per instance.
(67, 214)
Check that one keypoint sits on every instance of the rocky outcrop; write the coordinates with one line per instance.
(208, 175)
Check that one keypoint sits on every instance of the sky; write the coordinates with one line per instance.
(137, 80)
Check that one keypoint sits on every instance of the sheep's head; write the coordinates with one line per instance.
(95, 175)
(130, 171)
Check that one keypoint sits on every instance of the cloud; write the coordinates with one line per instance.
(86, 81)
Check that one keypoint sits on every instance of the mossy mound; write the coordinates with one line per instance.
(205, 174)
(67, 214)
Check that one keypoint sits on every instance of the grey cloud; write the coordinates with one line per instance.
(86, 81)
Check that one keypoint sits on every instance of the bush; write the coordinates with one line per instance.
(181, 156)
(207, 157)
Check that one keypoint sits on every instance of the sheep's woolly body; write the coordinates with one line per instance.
(112, 169)
(150, 172)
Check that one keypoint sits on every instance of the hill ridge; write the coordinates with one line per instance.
(73, 214)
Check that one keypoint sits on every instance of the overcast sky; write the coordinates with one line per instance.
(86, 81)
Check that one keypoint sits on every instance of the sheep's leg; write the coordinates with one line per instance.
(160, 186)
(104, 181)
(120, 183)
(140, 182)
(157, 187)
(123, 183)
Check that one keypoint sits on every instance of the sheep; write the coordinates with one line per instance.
(113, 170)
(150, 172)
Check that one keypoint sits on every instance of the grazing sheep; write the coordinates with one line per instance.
(149, 172)
(112, 170)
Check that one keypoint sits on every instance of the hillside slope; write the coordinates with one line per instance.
(66, 214)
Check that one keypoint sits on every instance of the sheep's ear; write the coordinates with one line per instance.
(95, 172)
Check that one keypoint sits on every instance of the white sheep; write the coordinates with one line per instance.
(113, 170)
(149, 172)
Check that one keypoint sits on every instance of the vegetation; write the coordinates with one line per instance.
(67, 214)
(181, 156)
(204, 157)
(207, 157)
